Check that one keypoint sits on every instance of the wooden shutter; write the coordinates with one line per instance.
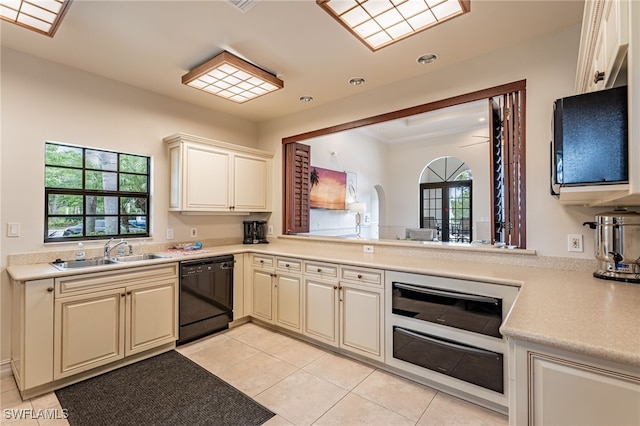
(297, 167)
(508, 171)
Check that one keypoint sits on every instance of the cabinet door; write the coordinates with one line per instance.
(361, 313)
(151, 318)
(206, 184)
(288, 290)
(88, 331)
(321, 310)
(252, 183)
(261, 286)
(568, 393)
(32, 332)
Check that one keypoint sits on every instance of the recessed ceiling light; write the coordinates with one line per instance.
(232, 78)
(357, 81)
(379, 23)
(427, 58)
(306, 98)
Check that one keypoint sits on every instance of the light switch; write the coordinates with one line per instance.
(13, 229)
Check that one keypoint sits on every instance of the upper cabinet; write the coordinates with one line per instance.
(603, 45)
(609, 56)
(217, 177)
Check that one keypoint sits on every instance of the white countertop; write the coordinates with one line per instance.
(567, 310)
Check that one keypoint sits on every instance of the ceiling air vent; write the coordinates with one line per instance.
(242, 5)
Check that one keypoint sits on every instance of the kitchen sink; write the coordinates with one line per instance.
(136, 257)
(74, 264)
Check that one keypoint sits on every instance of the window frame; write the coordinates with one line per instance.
(84, 193)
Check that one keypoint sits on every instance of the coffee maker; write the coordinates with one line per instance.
(255, 232)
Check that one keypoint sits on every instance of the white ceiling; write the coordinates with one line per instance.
(151, 44)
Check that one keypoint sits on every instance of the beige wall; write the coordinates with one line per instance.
(45, 101)
(548, 64)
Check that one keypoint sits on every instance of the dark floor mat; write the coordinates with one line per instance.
(168, 389)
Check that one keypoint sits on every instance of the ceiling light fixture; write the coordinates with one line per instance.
(232, 78)
(357, 81)
(43, 17)
(427, 58)
(306, 98)
(379, 23)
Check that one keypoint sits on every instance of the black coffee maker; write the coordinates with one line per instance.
(255, 232)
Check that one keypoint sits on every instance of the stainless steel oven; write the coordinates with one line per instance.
(447, 331)
(206, 297)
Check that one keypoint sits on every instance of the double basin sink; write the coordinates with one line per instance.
(99, 261)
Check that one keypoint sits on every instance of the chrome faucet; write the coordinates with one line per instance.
(108, 249)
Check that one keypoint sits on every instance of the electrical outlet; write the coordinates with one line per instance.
(367, 249)
(169, 234)
(574, 242)
(270, 231)
(194, 232)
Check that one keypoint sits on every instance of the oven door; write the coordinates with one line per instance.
(471, 364)
(475, 313)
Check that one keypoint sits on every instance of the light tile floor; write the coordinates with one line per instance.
(302, 384)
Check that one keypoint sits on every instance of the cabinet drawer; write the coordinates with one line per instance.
(80, 284)
(326, 270)
(289, 265)
(263, 261)
(361, 275)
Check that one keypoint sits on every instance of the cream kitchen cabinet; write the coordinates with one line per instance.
(553, 387)
(345, 310)
(603, 45)
(277, 291)
(74, 327)
(103, 317)
(209, 176)
(32, 333)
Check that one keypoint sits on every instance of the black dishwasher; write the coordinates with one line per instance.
(206, 297)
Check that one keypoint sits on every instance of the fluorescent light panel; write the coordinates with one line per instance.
(379, 23)
(41, 16)
(232, 78)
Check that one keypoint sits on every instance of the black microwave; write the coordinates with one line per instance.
(590, 139)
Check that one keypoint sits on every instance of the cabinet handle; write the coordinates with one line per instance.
(49, 289)
(335, 287)
(359, 276)
(286, 265)
(319, 270)
(129, 293)
(122, 295)
(261, 261)
(598, 76)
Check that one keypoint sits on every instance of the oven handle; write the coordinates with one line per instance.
(443, 343)
(433, 292)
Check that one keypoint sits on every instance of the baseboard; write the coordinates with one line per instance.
(5, 369)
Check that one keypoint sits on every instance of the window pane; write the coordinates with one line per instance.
(101, 160)
(102, 205)
(58, 227)
(61, 155)
(101, 180)
(61, 204)
(133, 164)
(133, 183)
(134, 225)
(55, 177)
(132, 205)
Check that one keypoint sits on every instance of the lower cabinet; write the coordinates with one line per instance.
(277, 291)
(345, 312)
(78, 323)
(99, 327)
(553, 387)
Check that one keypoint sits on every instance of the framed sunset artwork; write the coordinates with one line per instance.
(328, 189)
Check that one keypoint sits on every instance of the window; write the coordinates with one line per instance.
(95, 194)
